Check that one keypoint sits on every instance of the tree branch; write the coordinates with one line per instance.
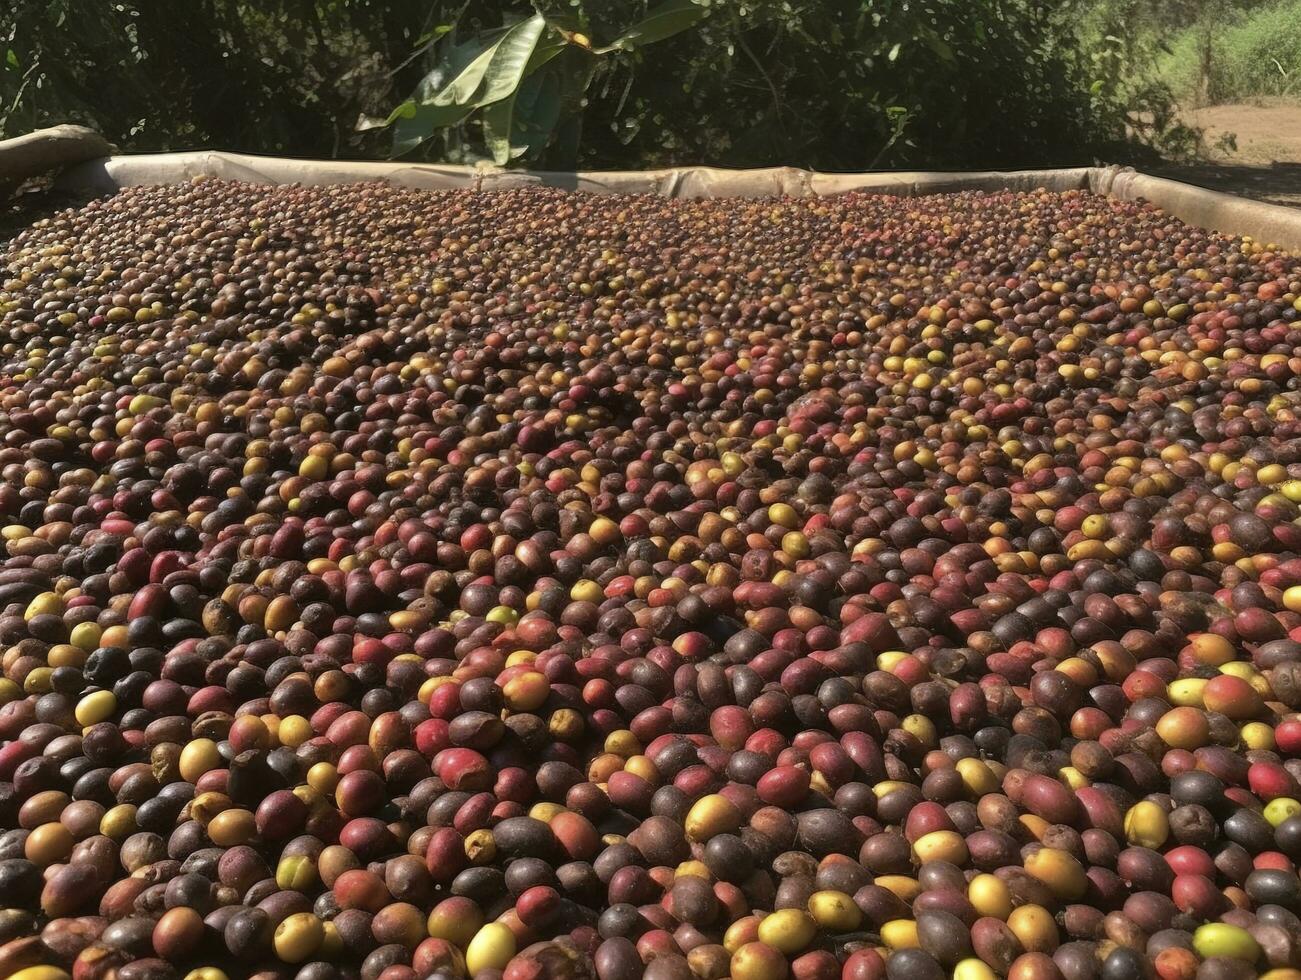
(776, 98)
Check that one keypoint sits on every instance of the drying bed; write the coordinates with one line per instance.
(471, 583)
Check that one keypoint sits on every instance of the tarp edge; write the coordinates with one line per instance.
(1266, 223)
(44, 150)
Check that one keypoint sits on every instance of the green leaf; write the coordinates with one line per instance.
(404, 111)
(460, 88)
(501, 125)
(458, 72)
(480, 71)
(497, 119)
(664, 21)
(468, 76)
(538, 108)
(433, 35)
(523, 123)
(11, 59)
(894, 52)
(510, 58)
(409, 131)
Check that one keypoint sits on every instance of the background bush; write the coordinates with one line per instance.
(1254, 52)
(827, 84)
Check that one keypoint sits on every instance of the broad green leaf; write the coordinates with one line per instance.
(458, 73)
(665, 20)
(524, 122)
(500, 121)
(461, 88)
(537, 109)
(482, 70)
(409, 131)
(510, 57)
(11, 59)
(497, 120)
(404, 111)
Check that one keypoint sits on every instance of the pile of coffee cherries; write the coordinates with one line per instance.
(405, 585)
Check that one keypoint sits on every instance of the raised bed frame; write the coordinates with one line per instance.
(80, 156)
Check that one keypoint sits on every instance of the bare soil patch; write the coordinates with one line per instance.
(1266, 163)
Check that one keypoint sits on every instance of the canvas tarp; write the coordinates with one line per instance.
(57, 148)
(164, 168)
(81, 155)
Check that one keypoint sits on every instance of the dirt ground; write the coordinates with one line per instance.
(1266, 164)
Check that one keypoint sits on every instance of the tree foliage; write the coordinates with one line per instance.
(271, 76)
(827, 84)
